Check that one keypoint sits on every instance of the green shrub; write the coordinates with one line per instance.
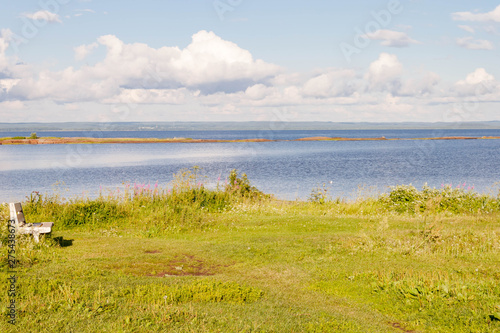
(407, 199)
(240, 186)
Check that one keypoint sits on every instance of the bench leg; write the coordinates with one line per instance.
(36, 236)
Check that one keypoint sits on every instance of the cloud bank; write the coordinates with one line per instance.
(221, 78)
(492, 16)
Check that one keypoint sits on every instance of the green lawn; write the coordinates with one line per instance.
(258, 265)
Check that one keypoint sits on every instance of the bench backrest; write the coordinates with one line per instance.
(16, 214)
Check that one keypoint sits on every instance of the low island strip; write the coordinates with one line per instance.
(79, 140)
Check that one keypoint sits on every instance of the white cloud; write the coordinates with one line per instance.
(478, 76)
(150, 96)
(209, 64)
(43, 15)
(336, 82)
(10, 66)
(5, 35)
(467, 28)
(384, 74)
(12, 105)
(7, 84)
(422, 86)
(213, 76)
(477, 83)
(258, 91)
(83, 11)
(391, 38)
(82, 51)
(493, 16)
(474, 44)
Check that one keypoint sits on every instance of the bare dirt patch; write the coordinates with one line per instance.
(156, 263)
(185, 264)
(400, 327)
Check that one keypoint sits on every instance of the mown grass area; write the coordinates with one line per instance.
(191, 259)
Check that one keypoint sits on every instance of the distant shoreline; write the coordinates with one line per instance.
(277, 125)
(44, 141)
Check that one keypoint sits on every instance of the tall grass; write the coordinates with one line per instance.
(186, 204)
(189, 205)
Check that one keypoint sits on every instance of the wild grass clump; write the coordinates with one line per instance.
(212, 291)
(76, 212)
(319, 194)
(459, 200)
(189, 192)
(90, 212)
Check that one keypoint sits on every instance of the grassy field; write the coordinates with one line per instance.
(189, 259)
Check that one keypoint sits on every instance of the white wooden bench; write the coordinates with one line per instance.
(35, 229)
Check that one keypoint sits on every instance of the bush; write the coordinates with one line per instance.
(407, 199)
(240, 186)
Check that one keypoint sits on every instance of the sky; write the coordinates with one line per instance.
(249, 60)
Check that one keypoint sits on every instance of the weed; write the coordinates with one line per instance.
(319, 194)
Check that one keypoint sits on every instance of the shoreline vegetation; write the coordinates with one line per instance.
(187, 258)
(81, 140)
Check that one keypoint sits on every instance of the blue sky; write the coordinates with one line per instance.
(233, 60)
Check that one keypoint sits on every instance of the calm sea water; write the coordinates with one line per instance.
(289, 170)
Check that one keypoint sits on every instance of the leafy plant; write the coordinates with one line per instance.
(240, 186)
(319, 194)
